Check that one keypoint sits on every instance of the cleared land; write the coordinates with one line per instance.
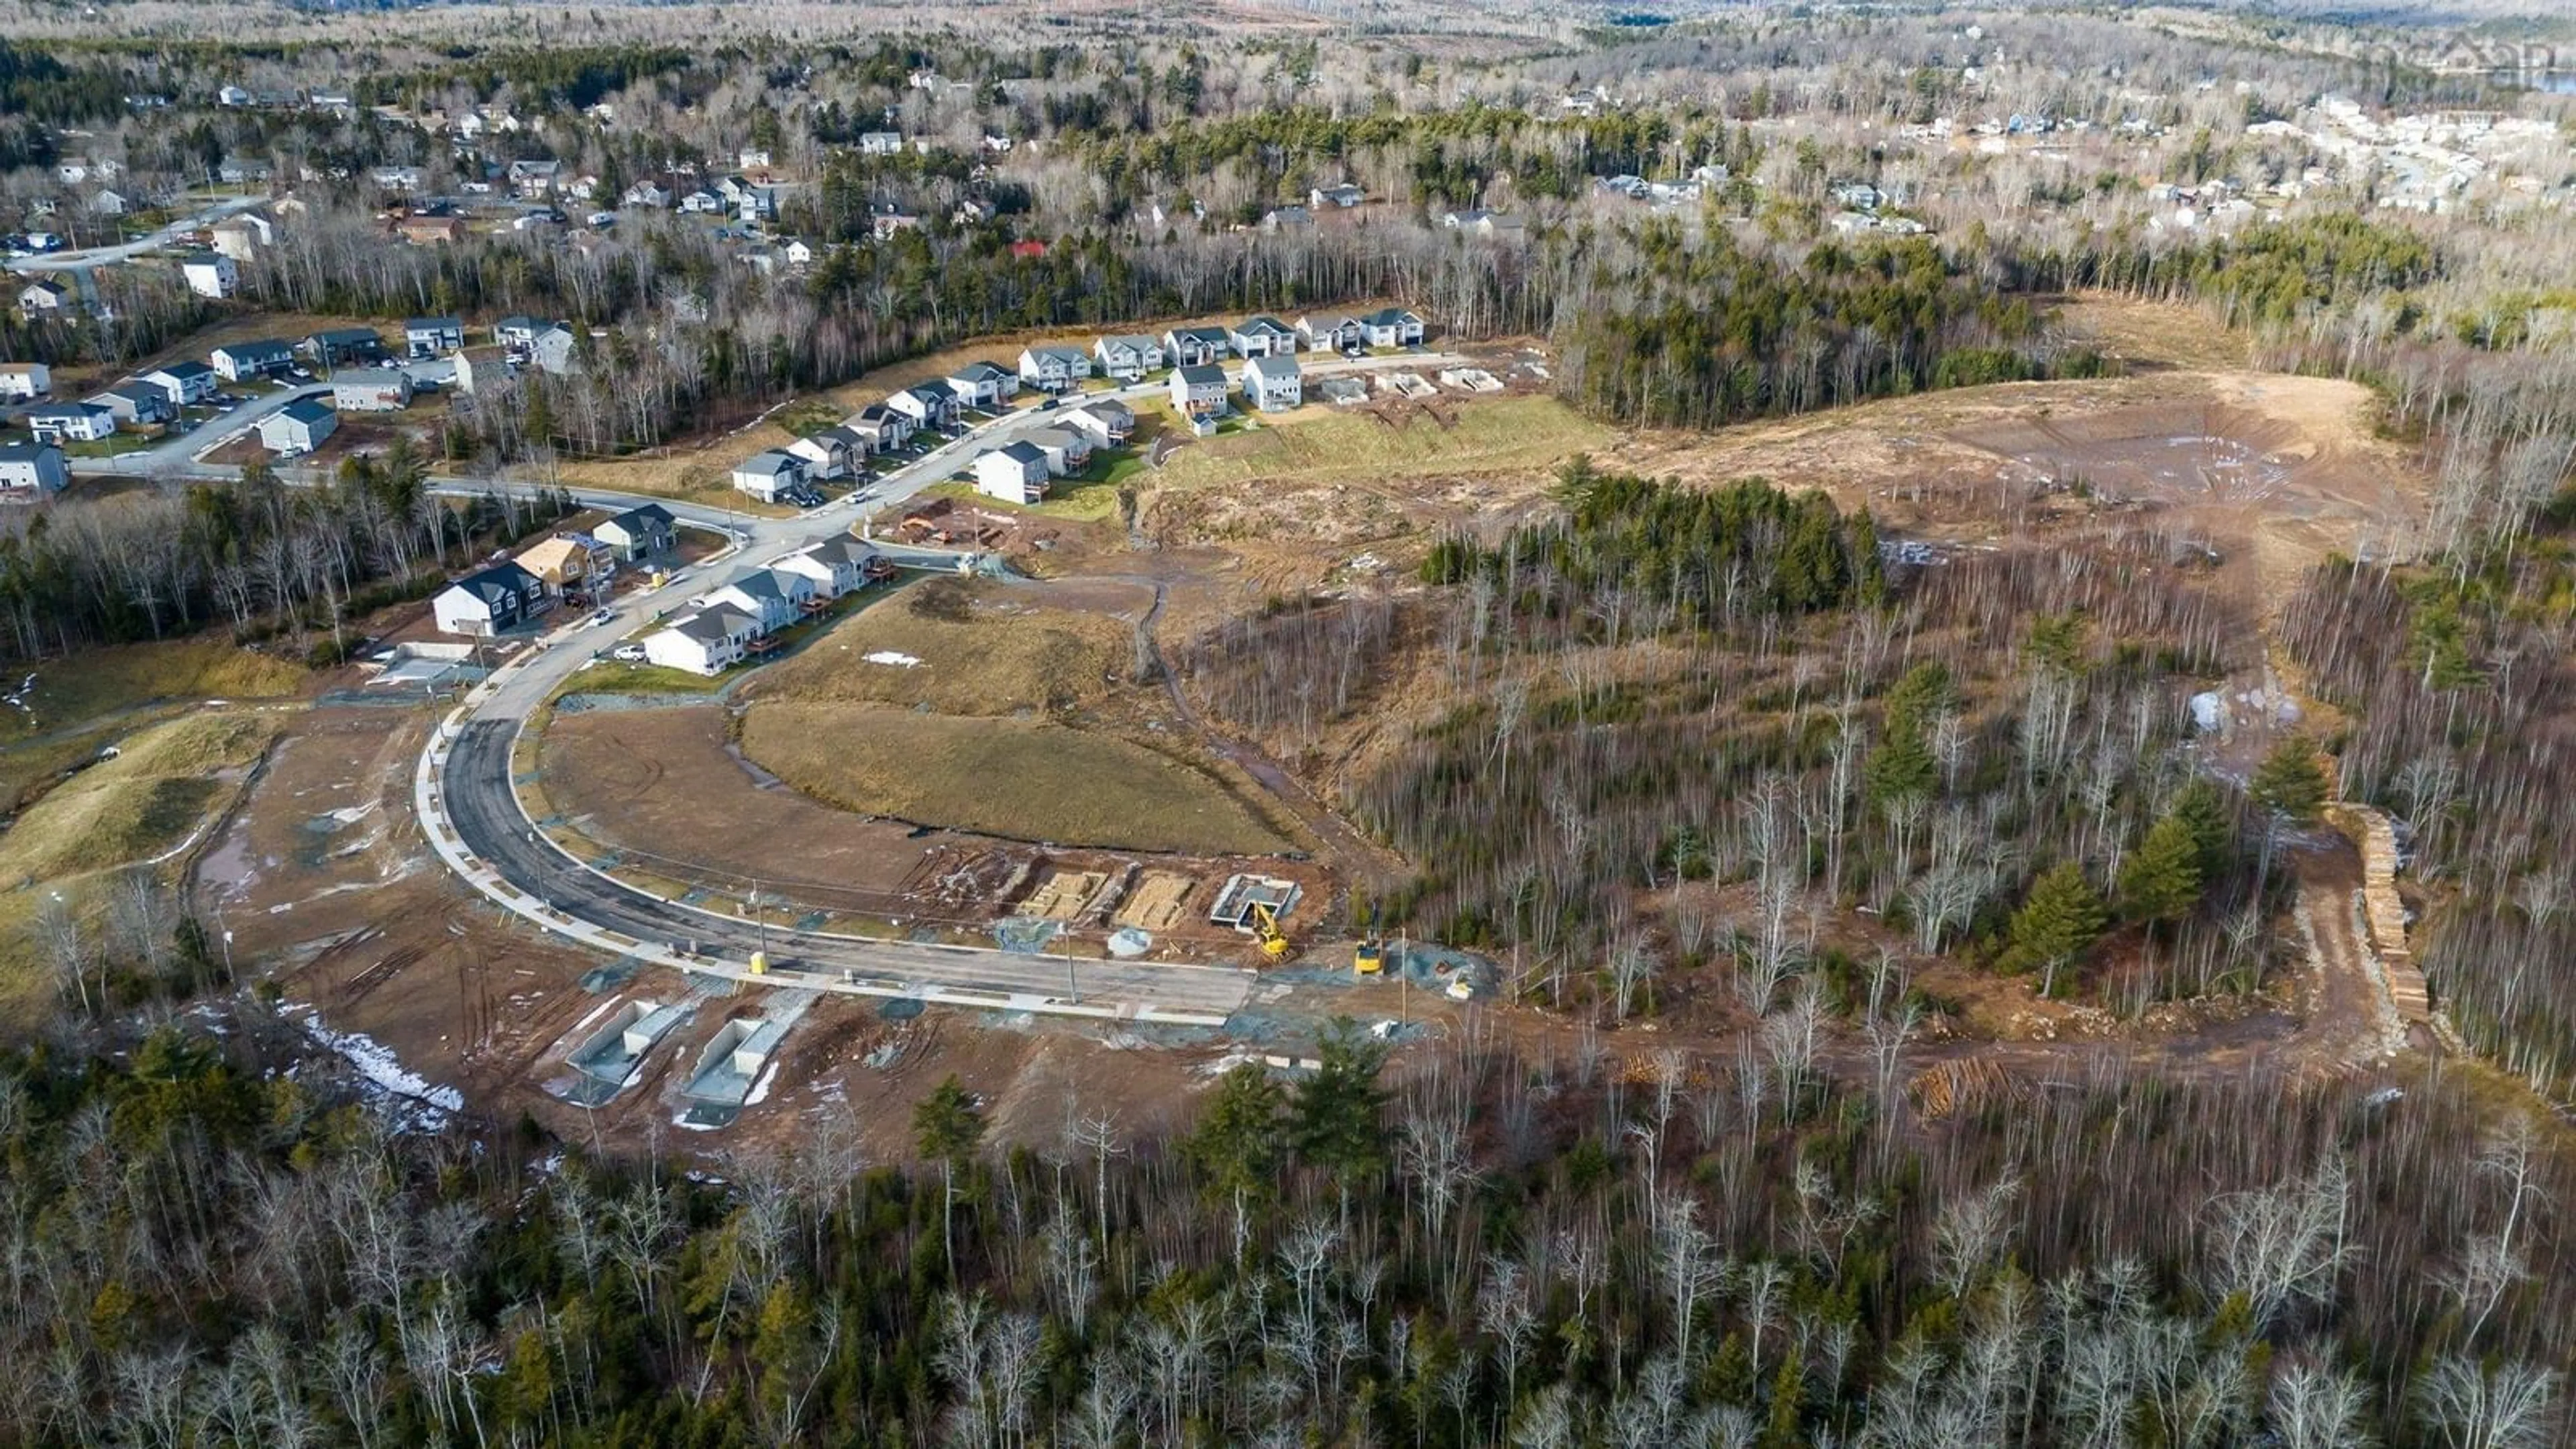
(141, 807)
(2277, 468)
(59, 694)
(975, 649)
(1014, 778)
(1324, 445)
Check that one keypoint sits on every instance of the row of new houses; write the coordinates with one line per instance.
(731, 622)
(506, 595)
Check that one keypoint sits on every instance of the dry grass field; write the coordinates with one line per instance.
(1016, 778)
(1323, 445)
(981, 649)
(70, 693)
(142, 807)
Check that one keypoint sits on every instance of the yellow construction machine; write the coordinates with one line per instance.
(1368, 958)
(1274, 942)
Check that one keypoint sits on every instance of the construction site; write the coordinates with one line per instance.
(1049, 766)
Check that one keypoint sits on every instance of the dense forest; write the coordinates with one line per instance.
(1550, 1250)
(255, 557)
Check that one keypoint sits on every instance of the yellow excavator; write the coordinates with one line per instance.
(1274, 942)
(1368, 958)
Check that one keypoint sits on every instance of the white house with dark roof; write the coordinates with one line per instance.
(769, 597)
(836, 565)
(1198, 391)
(1329, 331)
(1053, 369)
(1128, 357)
(1340, 197)
(78, 422)
(25, 381)
(186, 383)
(638, 532)
(490, 600)
(1067, 450)
(1391, 327)
(432, 336)
(830, 453)
(371, 390)
(30, 471)
(929, 404)
(1261, 337)
(985, 384)
(211, 274)
(1273, 384)
(766, 474)
(298, 428)
(43, 297)
(136, 402)
(882, 427)
(709, 641)
(1107, 420)
(1196, 346)
(242, 361)
(1014, 473)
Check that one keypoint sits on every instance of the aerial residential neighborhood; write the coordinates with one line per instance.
(1151, 726)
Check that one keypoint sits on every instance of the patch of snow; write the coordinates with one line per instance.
(427, 1106)
(1227, 1063)
(891, 657)
(760, 1089)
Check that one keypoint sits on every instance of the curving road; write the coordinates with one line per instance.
(464, 784)
(487, 817)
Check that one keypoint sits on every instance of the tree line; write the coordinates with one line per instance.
(1562, 1246)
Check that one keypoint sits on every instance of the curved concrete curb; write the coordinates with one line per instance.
(428, 802)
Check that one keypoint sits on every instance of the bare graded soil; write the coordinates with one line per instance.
(1020, 779)
(2262, 466)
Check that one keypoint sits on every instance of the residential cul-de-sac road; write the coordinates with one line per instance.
(514, 863)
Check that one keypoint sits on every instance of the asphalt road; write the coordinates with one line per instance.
(176, 457)
(486, 816)
(88, 257)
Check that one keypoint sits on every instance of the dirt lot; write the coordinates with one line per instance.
(963, 649)
(2260, 466)
(1021, 779)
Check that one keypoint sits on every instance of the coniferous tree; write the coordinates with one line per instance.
(2290, 782)
(947, 1128)
(2161, 880)
(2060, 920)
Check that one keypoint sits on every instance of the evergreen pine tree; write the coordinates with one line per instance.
(2057, 923)
(2161, 879)
(2291, 782)
(2204, 811)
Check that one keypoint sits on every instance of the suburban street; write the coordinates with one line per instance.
(88, 257)
(486, 815)
(484, 810)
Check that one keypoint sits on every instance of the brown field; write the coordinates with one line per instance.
(73, 693)
(649, 781)
(985, 649)
(1014, 778)
(141, 808)
(2273, 468)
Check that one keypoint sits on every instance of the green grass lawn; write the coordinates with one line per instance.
(114, 445)
(611, 676)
